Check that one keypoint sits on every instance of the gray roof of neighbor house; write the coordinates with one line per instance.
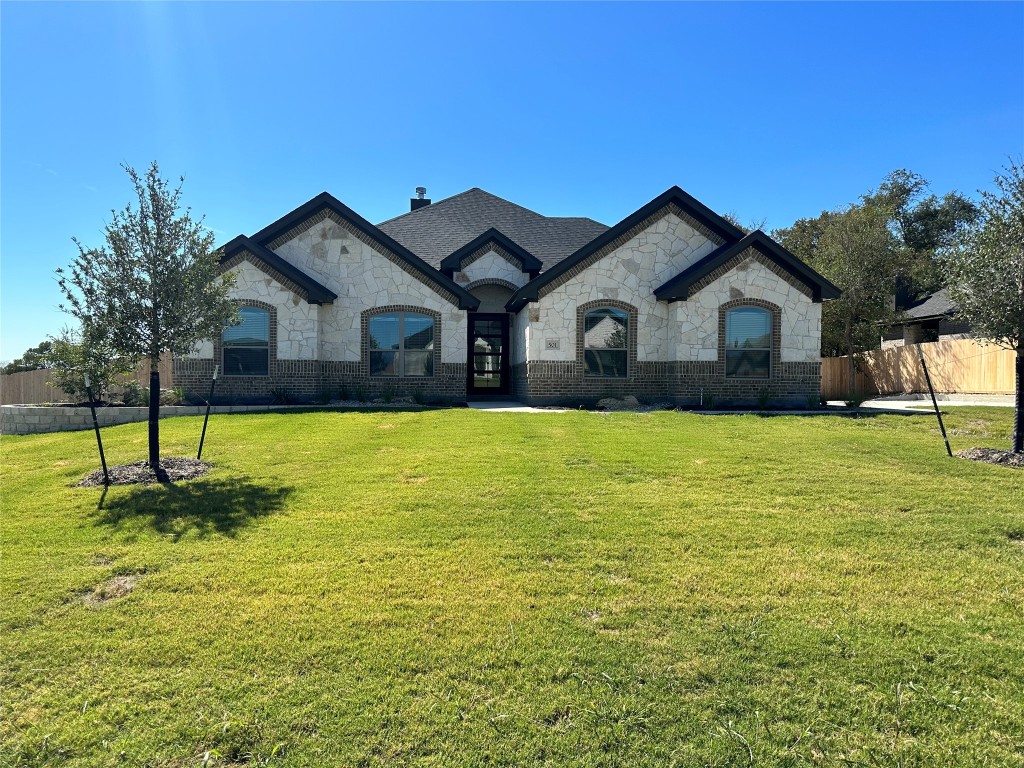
(439, 229)
(936, 305)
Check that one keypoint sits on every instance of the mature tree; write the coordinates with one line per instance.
(985, 274)
(87, 354)
(925, 224)
(747, 228)
(156, 283)
(32, 359)
(888, 240)
(856, 250)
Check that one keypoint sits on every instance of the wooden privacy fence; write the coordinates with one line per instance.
(35, 386)
(959, 365)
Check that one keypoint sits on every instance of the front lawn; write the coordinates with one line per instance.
(466, 588)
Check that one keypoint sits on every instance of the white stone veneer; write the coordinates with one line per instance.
(684, 330)
(493, 266)
(297, 321)
(697, 317)
(630, 273)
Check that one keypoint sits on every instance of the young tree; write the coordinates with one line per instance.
(985, 274)
(87, 352)
(156, 283)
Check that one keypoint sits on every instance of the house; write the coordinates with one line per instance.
(475, 296)
(932, 318)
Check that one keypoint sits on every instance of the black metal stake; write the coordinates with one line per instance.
(213, 383)
(935, 404)
(96, 426)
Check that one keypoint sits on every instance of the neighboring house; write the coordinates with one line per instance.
(930, 319)
(475, 296)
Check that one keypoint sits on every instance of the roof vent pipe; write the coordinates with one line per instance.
(421, 200)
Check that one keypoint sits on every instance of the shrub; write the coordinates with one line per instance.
(280, 396)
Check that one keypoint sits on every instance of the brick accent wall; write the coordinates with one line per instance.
(304, 380)
(686, 383)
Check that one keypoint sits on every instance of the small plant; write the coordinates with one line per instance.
(709, 402)
(854, 400)
(344, 393)
(764, 396)
(814, 402)
(388, 394)
(173, 396)
(134, 394)
(323, 395)
(360, 393)
(280, 396)
(419, 397)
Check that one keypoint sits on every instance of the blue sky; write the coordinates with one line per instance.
(773, 111)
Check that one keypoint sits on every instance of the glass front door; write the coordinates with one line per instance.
(488, 354)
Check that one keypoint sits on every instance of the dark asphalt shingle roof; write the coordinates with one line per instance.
(437, 230)
(936, 305)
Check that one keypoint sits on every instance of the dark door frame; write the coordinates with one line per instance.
(505, 368)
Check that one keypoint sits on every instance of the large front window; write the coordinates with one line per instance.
(247, 345)
(605, 339)
(748, 343)
(401, 344)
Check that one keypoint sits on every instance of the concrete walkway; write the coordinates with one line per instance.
(511, 406)
(918, 401)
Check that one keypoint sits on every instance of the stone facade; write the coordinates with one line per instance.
(675, 349)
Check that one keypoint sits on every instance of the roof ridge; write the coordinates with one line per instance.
(434, 205)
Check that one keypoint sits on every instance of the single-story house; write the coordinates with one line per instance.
(475, 296)
(932, 318)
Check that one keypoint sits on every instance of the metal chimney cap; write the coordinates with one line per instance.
(421, 192)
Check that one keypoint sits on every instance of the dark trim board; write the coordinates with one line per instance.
(687, 203)
(678, 288)
(327, 201)
(528, 262)
(315, 292)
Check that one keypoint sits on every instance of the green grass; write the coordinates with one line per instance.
(466, 588)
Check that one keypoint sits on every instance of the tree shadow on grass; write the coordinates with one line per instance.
(202, 508)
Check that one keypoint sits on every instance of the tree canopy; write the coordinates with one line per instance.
(31, 359)
(154, 287)
(985, 275)
(887, 243)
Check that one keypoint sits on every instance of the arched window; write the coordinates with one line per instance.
(246, 346)
(401, 344)
(605, 342)
(748, 343)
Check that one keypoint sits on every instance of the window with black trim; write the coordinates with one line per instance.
(605, 342)
(748, 343)
(401, 344)
(246, 346)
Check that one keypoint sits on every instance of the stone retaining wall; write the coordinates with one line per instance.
(30, 419)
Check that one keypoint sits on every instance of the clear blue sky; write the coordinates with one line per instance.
(765, 110)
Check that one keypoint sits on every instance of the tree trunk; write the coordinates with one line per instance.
(852, 373)
(1018, 416)
(154, 415)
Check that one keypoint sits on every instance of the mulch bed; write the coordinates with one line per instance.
(994, 456)
(140, 473)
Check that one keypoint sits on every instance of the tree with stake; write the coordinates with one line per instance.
(985, 273)
(156, 282)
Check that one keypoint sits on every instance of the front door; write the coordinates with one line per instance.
(488, 354)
